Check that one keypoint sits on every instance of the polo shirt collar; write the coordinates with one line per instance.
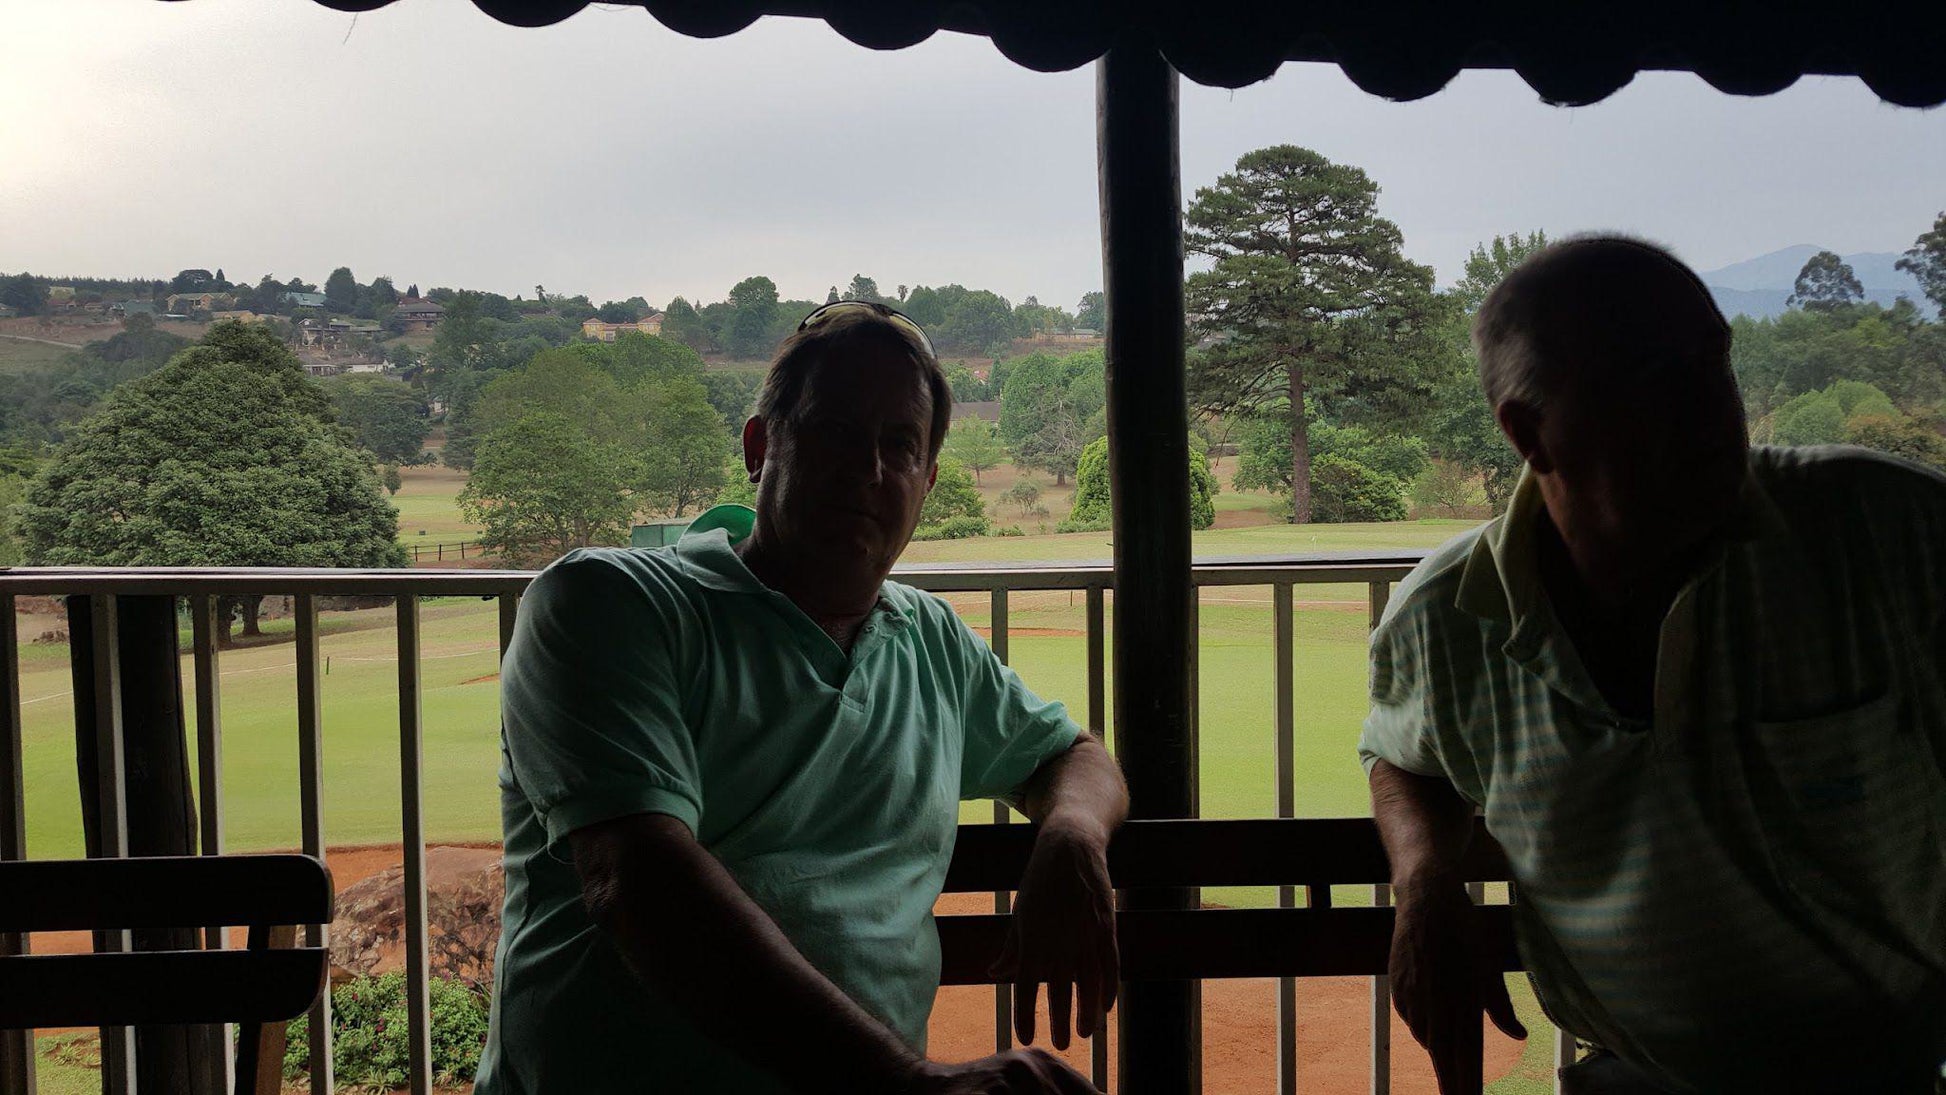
(706, 553)
(1501, 580)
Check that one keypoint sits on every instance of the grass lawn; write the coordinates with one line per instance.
(428, 503)
(19, 355)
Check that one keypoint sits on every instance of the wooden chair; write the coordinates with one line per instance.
(1316, 941)
(266, 984)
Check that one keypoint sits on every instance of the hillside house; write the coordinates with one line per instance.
(305, 300)
(197, 302)
(129, 308)
(418, 315)
(650, 324)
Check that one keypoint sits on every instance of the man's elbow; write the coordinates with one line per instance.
(619, 862)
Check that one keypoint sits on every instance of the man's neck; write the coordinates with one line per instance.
(1617, 577)
(836, 600)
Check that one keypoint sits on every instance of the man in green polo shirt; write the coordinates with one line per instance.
(1699, 693)
(732, 769)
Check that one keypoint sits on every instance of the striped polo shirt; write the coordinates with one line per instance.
(1749, 887)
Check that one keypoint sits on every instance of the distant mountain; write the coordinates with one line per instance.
(1759, 287)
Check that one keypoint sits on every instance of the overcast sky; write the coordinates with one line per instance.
(611, 156)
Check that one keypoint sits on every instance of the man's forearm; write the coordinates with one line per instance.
(1080, 789)
(1424, 823)
(690, 932)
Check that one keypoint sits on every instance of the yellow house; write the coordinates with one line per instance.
(591, 327)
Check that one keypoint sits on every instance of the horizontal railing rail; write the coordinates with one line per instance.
(204, 589)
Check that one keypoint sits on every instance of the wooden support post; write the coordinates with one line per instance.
(1148, 458)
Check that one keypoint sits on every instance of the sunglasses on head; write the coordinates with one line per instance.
(841, 307)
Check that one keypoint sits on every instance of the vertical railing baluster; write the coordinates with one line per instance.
(1285, 690)
(209, 735)
(1565, 1052)
(111, 788)
(1003, 994)
(1379, 594)
(411, 785)
(17, 1060)
(1098, 726)
(509, 615)
(1196, 704)
(209, 792)
(310, 789)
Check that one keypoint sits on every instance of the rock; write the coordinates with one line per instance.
(464, 890)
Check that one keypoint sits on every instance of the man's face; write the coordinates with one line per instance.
(1655, 447)
(844, 482)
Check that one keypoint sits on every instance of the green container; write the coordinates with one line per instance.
(656, 534)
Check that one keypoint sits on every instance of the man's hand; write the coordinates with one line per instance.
(1442, 980)
(1016, 1072)
(1063, 931)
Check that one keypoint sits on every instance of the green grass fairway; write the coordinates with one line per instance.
(428, 502)
(20, 355)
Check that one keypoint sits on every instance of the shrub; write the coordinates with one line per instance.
(1010, 530)
(1899, 435)
(1448, 487)
(953, 495)
(1092, 506)
(369, 1032)
(955, 528)
(1343, 490)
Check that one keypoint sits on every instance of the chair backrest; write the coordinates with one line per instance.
(1316, 941)
(258, 985)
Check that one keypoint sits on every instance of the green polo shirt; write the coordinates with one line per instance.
(671, 681)
(1746, 891)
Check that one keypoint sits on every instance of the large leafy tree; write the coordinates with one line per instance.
(754, 316)
(384, 415)
(1458, 424)
(1051, 408)
(1927, 262)
(341, 290)
(542, 486)
(975, 443)
(976, 321)
(1092, 312)
(226, 456)
(682, 323)
(24, 293)
(1825, 282)
(1308, 297)
(864, 288)
(641, 398)
(1489, 263)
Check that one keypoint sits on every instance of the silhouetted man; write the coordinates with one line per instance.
(732, 772)
(1699, 692)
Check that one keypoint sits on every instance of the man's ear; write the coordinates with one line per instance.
(932, 475)
(756, 442)
(1521, 423)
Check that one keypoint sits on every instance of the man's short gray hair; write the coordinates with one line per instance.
(1585, 299)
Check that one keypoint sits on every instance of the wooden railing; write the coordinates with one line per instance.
(203, 589)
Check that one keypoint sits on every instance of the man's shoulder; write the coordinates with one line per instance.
(1430, 593)
(1805, 480)
(611, 581)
